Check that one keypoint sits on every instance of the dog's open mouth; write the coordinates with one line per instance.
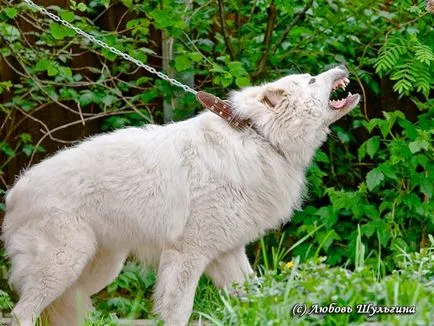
(338, 103)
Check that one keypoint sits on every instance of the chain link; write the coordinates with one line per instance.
(110, 48)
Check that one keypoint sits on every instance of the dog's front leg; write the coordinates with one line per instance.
(230, 267)
(178, 276)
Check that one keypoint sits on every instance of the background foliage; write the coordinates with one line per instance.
(375, 172)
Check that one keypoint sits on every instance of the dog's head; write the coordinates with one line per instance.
(298, 105)
(311, 96)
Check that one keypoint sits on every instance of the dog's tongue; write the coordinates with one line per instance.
(337, 104)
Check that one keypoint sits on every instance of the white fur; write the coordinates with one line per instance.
(186, 197)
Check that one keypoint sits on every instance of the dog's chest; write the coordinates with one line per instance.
(250, 203)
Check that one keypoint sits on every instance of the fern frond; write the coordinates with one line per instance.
(389, 55)
(424, 54)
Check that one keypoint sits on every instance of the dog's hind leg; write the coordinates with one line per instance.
(230, 267)
(73, 306)
(47, 258)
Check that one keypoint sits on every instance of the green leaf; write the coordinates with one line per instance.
(373, 123)
(139, 55)
(7, 149)
(82, 7)
(195, 56)
(368, 229)
(59, 32)
(236, 69)
(417, 145)
(242, 81)
(5, 85)
(320, 156)
(109, 55)
(164, 18)
(86, 98)
(234, 65)
(109, 99)
(26, 138)
(427, 187)
(226, 80)
(65, 72)
(149, 95)
(9, 32)
(342, 134)
(115, 122)
(217, 68)
(388, 170)
(42, 65)
(383, 232)
(327, 238)
(127, 3)
(372, 146)
(182, 62)
(52, 70)
(11, 12)
(5, 52)
(374, 178)
(28, 149)
(328, 216)
(142, 80)
(106, 3)
(361, 152)
(67, 15)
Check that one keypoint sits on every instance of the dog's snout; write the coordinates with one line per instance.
(340, 71)
(343, 67)
(334, 73)
(336, 69)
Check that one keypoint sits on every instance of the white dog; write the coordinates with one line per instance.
(186, 197)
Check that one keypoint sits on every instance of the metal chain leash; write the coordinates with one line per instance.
(110, 48)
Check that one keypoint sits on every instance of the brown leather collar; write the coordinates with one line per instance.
(222, 109)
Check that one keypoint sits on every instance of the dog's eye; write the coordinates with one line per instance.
(311, 81)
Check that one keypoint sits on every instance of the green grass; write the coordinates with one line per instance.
(269, 298)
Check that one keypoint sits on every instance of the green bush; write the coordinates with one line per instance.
(393, 198)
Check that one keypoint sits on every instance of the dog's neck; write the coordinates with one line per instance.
(223, 109)
(297, 149)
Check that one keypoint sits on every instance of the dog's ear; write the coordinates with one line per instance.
(271, 97)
